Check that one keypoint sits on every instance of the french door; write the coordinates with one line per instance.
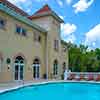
(36, 72)
(36, 69)
(18, 72)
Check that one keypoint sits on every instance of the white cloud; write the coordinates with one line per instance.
(82, 5)
(60, 3)
(93, 36)
(23, 4)
(68, 28)
(40, 0)
(62, 17)
(68, 2)
(70, 38)
(17, 1)
(28, 10)
(67, 31)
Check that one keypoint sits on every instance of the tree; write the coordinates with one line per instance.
(82, 60)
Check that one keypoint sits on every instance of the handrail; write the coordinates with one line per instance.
(82, 75)
(84, 72)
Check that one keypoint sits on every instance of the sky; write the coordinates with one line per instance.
(81, 18)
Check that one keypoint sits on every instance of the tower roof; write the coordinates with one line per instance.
(45, 11)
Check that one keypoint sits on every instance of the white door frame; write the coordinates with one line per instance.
(36, 73)
(19, 64)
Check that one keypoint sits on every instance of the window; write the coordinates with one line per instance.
(56, 45)
(37, 37)
(21, 31)
(0, 64)
(36, 69)
(2, 23)
(18, 29)
(55, 68)
(64, 67)
(24, 32)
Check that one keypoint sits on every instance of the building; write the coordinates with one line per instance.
(30, 46)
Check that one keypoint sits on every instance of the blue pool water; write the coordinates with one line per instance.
(55, 91)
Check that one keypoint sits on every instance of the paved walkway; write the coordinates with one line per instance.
(14, 85)
(9, 85)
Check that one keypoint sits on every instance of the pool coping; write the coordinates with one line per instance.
(43, 83)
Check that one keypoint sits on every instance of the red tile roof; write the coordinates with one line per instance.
(45, 8)
(45, 11)
(15, 8)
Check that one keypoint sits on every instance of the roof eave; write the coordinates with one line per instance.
(57, 17)
(21, 18)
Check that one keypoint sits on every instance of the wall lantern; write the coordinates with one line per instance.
(8, 61)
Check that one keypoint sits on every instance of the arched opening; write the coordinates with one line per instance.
(36, 69)
(55, 68)
(19, 66)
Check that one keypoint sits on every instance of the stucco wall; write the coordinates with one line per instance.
(53, 27)
(12, 44)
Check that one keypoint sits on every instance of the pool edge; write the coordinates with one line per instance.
(43, 83)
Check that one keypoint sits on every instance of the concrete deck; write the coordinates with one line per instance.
(15, 85)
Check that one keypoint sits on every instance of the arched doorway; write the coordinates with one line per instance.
(19, 65)
(36, 69)
(55, 68)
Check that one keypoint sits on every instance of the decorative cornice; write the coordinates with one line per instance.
(21, 18)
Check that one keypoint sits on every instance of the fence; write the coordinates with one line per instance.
(82, 76)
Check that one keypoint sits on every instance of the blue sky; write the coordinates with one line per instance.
(82, 18)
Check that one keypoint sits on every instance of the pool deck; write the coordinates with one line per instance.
(15, 85)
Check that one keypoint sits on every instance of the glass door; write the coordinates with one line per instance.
(19, 65)
(36, 69)
(16, 72)
(21, 73)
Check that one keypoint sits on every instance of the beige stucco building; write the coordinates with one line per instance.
(30, 46)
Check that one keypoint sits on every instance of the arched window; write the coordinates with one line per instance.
(55, 68)
(19, 65)
(36, 68)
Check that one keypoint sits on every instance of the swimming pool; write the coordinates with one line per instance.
(55, 91)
